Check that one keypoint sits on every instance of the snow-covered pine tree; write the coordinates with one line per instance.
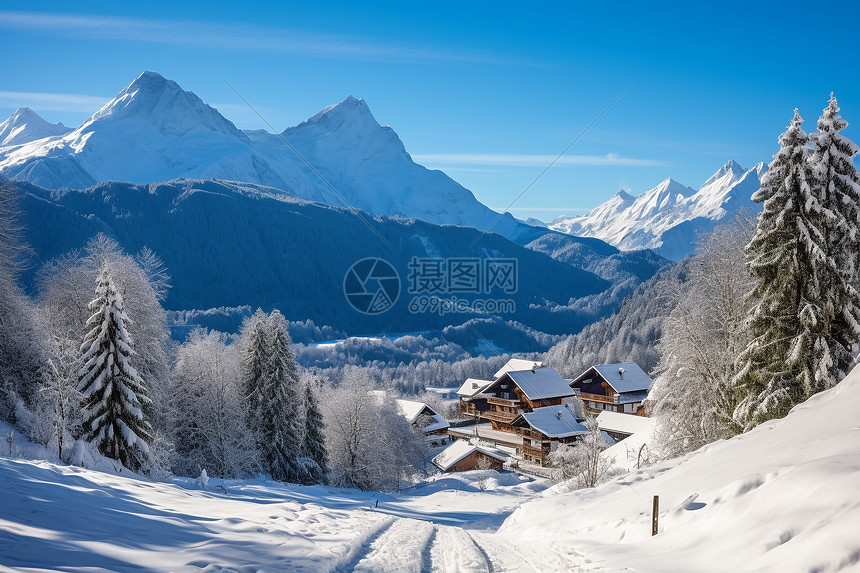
(282, 429)
(254, 354)
(271, 383)
(782, 257)
(313, 442)
(836, 185)
(114, 392)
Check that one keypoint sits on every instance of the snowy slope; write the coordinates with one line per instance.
(56, 518)
(783, 497)
(25, 125)
(155, 131)
(780, 498)
(667, 217)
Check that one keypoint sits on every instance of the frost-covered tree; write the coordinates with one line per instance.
(207, 411)
(836, 186)
(783, 257)
(371, 446)
(702, 338)
(270, 381)
(581, 464)
(23, 361)
(65, 290)
(113, 390)
(313, 440)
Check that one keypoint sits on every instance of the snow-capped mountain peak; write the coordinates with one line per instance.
(667, 217)
(624, 195)
(164, 104)
(155, 131)
(25, 125)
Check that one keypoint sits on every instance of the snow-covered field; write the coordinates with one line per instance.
(784, 497)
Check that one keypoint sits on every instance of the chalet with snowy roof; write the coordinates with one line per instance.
(543, 429)
(518, 391)
(614, 387)
(422, 416)
(462, 456)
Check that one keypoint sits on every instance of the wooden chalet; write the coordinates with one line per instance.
(462, 456)
(422, 416)
(614, 387)
(543, 429)
(518, 391)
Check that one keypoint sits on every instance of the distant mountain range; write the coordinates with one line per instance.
(668, 217)
(155, 131)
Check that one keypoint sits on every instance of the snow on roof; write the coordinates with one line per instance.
(541, 383)
(459, 450)
(473, 386)
(623, 423)
(411, 410)
(517, 364)
(554, 421)
(634, 378)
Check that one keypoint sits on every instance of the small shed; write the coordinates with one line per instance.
(463, 456)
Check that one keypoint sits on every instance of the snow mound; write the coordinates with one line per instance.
(781, 497)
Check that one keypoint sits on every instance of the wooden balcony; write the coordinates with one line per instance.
(503, 402)
(598, 398)
(505, 417)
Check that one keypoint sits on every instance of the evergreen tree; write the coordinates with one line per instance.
(114, 392)
(254, 354)
(313, 442)
(282, 424)
(836, 186)
(782, 259)
(271, 384)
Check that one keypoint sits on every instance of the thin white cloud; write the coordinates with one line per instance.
(209, 35)
(53, 102)
(529, 160)
(538, 209)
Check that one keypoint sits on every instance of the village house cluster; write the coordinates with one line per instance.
(527, 410)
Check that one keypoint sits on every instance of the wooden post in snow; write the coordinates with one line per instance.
(655, 511)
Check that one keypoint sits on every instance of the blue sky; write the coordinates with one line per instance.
(490, 92)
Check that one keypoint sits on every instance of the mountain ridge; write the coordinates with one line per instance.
(668, 217)
(155, 131)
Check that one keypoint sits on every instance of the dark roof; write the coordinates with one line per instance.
(634, 378)
(539, 384)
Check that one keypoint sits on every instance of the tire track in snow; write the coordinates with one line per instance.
(454, 551)
(365, 548)
(399, 549)
(427, 552)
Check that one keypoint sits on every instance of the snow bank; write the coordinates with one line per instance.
(782, 497)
